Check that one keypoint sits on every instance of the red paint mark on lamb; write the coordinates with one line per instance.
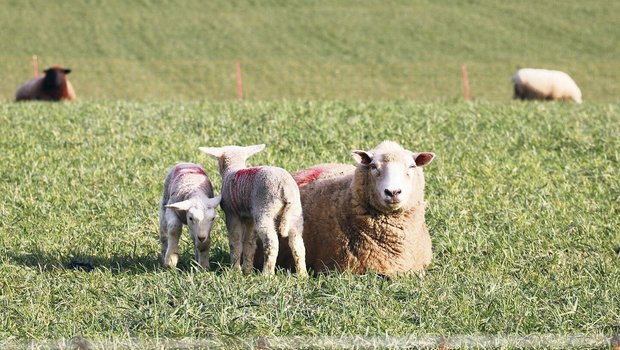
(305, 176)
(243, 180)
(247, 172)
(192, 169)
(189, 170)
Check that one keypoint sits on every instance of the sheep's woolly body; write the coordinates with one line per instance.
(345, 229)
(543, 84)
(34, 89)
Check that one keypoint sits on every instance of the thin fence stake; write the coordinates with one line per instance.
(465, 82)
(35, 66)
(239, 82)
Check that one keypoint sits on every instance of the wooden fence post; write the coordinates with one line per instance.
(467, 95)
(239, 82)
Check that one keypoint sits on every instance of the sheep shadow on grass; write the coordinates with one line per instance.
(116, 264)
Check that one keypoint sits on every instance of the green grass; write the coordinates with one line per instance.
(523, 213)
(355, 50)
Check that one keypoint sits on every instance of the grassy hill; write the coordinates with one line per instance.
(523, 212)
(186, 50)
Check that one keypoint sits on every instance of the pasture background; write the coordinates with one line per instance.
(355, 50)
(523, 198)
(523, 212)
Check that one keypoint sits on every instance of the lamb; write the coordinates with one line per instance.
(258, 202)
(543, 84)
(187, 200)
(368, 217)
(53, 86)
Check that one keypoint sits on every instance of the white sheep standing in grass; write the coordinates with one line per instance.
(258, 201)
(187, 200)
(369, 217)
(544, 84)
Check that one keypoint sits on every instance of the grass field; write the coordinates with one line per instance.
(354, 50)
(523, 213)
(523, 197)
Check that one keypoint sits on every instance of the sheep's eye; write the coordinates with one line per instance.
(373, 166)
(191, 219)
(413, 166)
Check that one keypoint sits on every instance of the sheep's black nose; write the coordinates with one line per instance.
(392, 193)
(202, 239)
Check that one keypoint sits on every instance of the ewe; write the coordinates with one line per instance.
(53, 86)
(187, 199)
(369, 217)
(258, 201)
(543, 84)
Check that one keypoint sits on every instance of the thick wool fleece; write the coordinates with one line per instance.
(543, 84)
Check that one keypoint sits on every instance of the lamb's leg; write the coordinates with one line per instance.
(249, 248)
(266, 231)
(296, 243)
(201, 250)
(234, 227)
(173, 229)
(163, 234)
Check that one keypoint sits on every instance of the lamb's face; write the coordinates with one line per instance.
(200, 221)
(392, 177)
(200, 214)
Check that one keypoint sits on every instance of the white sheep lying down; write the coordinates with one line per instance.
(261, 201)
(368, 217)
(544, 84)
(187, 200)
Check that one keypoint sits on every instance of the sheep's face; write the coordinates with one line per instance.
(200, 215)
(392, 177)
(55, 77)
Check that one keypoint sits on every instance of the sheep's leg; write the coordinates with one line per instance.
(201, 251)
(173, 232)
(234, 227)
(163, 233)
(266, 231)
(249, 248)
(296, 243)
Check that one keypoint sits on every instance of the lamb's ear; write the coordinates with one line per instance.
(215, 152)
(252, 150)
(182, 206)
(213, 202)
(362, 157)
(424, 158)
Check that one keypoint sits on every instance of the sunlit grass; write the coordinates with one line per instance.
(523, 213)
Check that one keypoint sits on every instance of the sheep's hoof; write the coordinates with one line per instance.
(171, 261)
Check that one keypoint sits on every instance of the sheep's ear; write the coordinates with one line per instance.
(67, 71)
(424, 158)
(215, 152)
(252, 150)
(362, 157)
(182, 206)
(215, 201)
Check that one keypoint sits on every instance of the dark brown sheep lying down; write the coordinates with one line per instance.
(53, 86)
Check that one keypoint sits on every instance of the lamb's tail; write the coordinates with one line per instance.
(285, 216)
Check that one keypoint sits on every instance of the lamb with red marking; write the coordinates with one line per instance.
(52, 86)
(258, 201)
(187, 200)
